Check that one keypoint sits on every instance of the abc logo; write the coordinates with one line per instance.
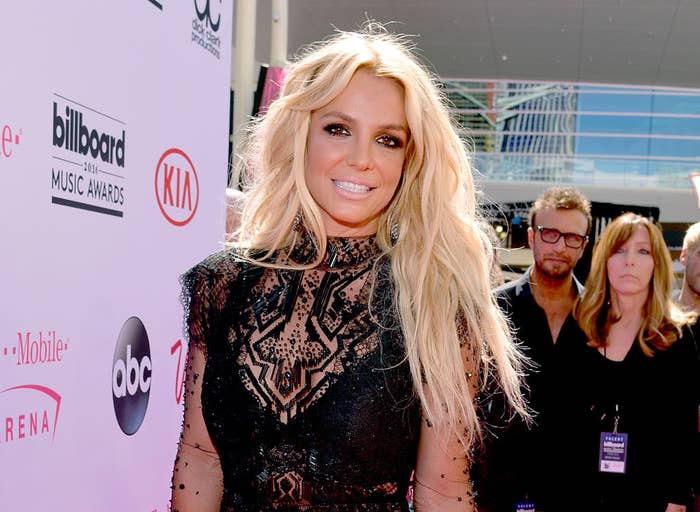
(131, 375)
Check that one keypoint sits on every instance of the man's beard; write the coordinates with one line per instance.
(558, 271)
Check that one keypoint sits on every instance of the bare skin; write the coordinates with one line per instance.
(552, 277)
(555, 297)
(690, 291)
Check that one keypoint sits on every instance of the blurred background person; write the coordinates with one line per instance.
(620, 425)
(538, 305)
(689, 298)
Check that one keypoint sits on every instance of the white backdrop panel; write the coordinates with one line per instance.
(92, 95)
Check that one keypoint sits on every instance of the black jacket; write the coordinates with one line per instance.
(510, 466)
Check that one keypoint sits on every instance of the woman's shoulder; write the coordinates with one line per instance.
(222, 259)
(225, 264)
(680, 360)
(686, 345)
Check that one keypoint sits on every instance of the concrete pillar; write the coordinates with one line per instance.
(278, 33)
(245, 77)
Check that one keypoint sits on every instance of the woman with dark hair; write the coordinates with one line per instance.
(619, 426)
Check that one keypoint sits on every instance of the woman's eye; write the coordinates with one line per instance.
(390, 142)
(337, 130)
(619, 250)
(646, 252)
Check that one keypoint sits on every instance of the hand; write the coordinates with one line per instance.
(672, 507)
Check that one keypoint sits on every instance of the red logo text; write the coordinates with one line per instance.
(43, 347)
(179, 373)
(9, 138)
(176, 187)
(34, 413)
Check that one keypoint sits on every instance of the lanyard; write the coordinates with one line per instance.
(616, 418)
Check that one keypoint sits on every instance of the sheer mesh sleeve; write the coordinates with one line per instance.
(442, 478)
(197, 483)
(442, 474)
(197, 299)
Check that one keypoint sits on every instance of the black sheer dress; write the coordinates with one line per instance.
(306, 394)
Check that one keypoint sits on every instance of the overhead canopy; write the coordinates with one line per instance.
(644, 42)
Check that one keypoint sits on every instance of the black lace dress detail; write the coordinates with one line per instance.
(306, 395)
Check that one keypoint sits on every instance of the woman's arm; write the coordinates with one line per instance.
(442, 478)
(442, 482)
(672, 507)
(197, 476)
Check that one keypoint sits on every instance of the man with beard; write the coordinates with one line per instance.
(539, 306)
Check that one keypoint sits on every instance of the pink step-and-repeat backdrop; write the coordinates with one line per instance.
(113, 156)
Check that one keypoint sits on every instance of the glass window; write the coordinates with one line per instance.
(601, 145)
(677, 104)
(675, 126)
(613, 124)
(614, 102)
(674, 147)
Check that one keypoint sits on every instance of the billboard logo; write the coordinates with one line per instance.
(131, 375)
(177, 187)
(71, 134)
(87, 170)
(205, 26)
(29, 411)
(9, 138)
(37, 348)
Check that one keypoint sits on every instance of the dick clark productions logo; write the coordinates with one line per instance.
(131, 375)
(205, 26)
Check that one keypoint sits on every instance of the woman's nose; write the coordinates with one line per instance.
(360, 157)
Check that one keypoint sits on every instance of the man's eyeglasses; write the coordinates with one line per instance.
(552, 236)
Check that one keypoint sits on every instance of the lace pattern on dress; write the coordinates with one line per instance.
(307, 396)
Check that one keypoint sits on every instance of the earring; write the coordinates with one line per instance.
(394, 233)
(296, 225)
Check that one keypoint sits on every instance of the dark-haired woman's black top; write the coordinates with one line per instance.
(656, 402)
(306, 395)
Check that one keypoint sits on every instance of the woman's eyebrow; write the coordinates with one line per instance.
(349, 119)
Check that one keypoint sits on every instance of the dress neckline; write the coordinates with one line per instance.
(341, 252)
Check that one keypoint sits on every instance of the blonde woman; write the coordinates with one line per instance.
(622, 428)
(340, 343)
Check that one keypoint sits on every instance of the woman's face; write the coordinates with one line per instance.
(355, 154)
(631, 266)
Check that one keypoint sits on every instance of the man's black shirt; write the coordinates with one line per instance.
(508, 470)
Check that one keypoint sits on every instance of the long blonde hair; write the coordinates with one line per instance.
(440, 259)
(662, 320)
